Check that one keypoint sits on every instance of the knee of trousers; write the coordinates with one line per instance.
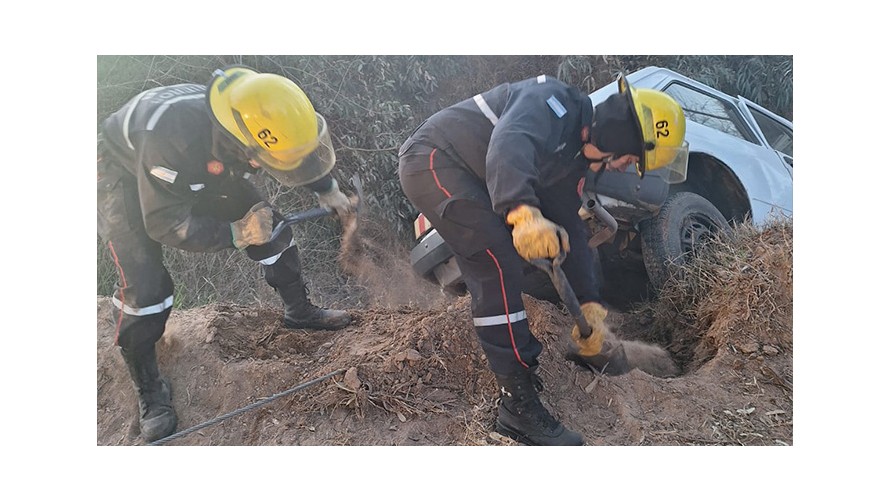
(493, 276)
(494, 279)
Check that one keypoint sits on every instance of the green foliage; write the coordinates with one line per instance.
(583, 72)
(372, 103)
(106, 273)
(766, 80)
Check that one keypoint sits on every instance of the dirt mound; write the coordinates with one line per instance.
(411, 375)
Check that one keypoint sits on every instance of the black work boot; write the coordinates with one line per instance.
(157, 419)
(537, 380)
(300, 313)
(522, 416)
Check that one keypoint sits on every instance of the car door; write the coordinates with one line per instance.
(774, 130)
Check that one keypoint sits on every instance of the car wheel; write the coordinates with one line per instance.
(685, 222)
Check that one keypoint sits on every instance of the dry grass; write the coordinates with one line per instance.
(743, 278)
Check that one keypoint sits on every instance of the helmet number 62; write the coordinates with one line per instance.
(266, 137)
(661, 129)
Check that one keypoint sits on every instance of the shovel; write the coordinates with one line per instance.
(317, 212)
(612, 360)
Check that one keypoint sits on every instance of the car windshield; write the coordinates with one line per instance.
(708, 110)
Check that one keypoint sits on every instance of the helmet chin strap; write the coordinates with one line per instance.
(604, 161)
(587, 139)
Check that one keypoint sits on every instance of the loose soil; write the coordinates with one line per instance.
(415, 375)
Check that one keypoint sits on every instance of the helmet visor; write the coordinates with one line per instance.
(642, 120)
(295, 166)
(674, 161)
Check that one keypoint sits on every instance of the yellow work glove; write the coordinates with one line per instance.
(535, 236)
(255, 228)
(595, 315)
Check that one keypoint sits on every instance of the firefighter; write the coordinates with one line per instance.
(498, 175)
(173, 170)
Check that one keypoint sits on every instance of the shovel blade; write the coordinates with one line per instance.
(612, 360)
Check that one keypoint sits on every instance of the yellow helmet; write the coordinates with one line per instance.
(662, 127)
(275, 123)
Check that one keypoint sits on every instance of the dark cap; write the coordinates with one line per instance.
(614, 127)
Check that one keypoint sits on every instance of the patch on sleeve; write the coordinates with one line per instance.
(215, 167)
(558, 109)
(164, 173)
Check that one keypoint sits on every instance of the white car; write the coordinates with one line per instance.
(740, 168)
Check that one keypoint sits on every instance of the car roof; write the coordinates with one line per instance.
(656, 77)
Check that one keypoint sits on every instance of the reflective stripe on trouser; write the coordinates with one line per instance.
(494, 280)
(457, 204)
(144, 296)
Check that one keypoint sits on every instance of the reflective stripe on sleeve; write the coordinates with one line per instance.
(126, 128)
(499, 319)
(145, 310)
(483, 106)
(155, 116)
(160, 111)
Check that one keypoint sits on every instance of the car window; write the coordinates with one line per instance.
(709, 111)
(778, 136)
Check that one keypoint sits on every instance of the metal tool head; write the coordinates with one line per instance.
(319, 212)
(359, 193)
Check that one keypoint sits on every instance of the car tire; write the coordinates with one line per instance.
(685, 222)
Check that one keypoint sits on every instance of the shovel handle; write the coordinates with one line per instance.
(306, 215)
(553, 268)
(298, 217)
(317, 212)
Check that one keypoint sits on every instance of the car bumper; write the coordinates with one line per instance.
(433, 259)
